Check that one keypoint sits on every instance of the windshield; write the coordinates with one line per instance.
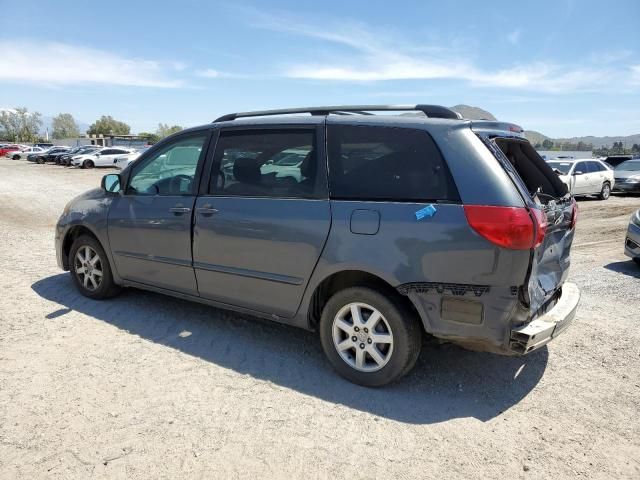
(629, 165)
(562, 167)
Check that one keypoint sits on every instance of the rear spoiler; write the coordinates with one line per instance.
(494, 128)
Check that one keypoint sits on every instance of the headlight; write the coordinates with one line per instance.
(633, 179)
(635, 218)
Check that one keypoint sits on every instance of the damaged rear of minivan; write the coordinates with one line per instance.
(549, 303)
(519, 299)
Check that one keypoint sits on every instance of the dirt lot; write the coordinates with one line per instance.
(145, 386)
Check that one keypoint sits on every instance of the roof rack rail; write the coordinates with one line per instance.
(432, 111)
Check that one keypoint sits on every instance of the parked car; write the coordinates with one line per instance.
(632, 241)
(21, 154)
(585, 177)
(47, 155)
(9, 149)
(44, 145)
(33, 157)
(393, 226)
(55, 157)
(615, 160)
(627, 175)
(102, 158)
(52, 154)
(66, 158)
(125, 160)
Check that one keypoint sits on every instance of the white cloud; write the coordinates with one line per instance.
(208, 73)
(53, 64)
(379, 56)
(635, 74)
(514, 37)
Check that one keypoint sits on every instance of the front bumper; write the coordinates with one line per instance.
(622, 186)
(632, 241)
(543, 329)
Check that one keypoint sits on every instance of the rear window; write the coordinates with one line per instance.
(387, 163)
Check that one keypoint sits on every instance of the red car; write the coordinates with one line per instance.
(8, 148)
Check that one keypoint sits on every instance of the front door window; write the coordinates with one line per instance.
(171, 171)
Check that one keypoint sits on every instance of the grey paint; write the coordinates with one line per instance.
(365, 221)
(268, 256)
(258, 253)
(150, 243)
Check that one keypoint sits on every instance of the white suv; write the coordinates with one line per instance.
(585, 177)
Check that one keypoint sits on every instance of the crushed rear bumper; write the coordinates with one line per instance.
(543, 329)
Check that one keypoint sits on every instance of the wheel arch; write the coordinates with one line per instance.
(70, 236)
(347, 278)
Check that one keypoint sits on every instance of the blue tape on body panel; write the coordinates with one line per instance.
(428, 211)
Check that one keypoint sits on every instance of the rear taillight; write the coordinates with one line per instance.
(541, 224)
(574, 213)
(508, 227)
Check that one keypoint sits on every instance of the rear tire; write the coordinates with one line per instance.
(373, 345)
(605, 192)
(40, 160)
(90, 269)
(637, 260)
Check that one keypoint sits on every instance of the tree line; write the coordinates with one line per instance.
(618, 148)
(21, 126)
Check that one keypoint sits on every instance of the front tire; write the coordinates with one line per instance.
(369, 338)
(90, 269)
(605, 192)
(16, 157)
(87, 164)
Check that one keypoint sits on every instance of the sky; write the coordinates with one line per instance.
(562, 67)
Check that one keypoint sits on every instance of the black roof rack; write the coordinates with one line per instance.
(432, 111)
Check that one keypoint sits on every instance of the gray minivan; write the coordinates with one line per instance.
(372, 229)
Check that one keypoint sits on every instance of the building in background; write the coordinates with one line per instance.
(130, 141)
(566, 154)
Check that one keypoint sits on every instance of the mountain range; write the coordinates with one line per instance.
(475, 113)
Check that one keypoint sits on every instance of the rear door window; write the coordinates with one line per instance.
(386, 163)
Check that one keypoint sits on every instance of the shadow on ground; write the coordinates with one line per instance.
(628, 267)
(447, 382)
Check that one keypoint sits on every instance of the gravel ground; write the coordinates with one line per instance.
(145, 386)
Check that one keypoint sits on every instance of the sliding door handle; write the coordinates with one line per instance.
(180, 210)
(206, 210)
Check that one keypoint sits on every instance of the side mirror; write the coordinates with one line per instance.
(111, 183)
(577, 172)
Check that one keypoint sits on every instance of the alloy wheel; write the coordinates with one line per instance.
(362, 337)
(88, 267)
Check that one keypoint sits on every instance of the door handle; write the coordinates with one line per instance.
(180, 210)
(206, 210)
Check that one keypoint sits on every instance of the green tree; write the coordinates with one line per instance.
(20, 125)
(106, 125)
(635, 148)
(164, 130)
(65, 126)
(151, 137)
(547, 144)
